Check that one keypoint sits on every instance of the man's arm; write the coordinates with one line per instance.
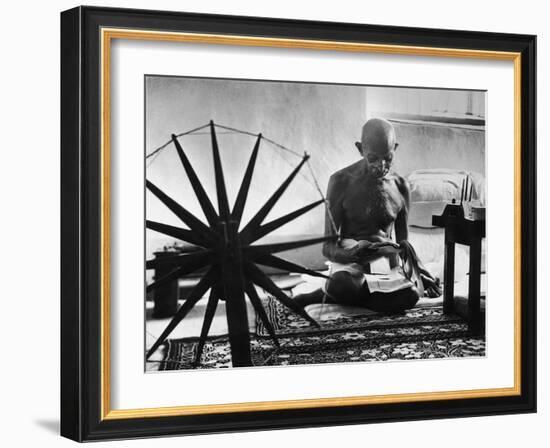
(402, 219)
(431, 284)
(335, 196)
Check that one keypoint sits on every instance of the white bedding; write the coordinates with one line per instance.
(442, 184)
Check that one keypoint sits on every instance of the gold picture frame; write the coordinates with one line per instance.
(105, 26)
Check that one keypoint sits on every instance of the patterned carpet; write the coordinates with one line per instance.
(420, 333)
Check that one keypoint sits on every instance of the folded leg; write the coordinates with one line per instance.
(344, 288)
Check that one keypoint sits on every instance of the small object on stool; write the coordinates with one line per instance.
(453, 210)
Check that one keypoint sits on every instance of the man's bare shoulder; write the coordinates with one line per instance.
(401, 182)
(345, 174)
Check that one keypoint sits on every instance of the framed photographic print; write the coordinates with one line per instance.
(270, 223)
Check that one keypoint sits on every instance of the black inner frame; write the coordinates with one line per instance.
(81, 223)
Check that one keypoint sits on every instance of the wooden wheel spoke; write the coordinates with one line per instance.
(207, 322)
(194, 224)
(258, 306)
(176, 232)
(265, 249)
(264, 211)
(187, 261)
(229, 254)
(285, 265)
(279, 222)
(240, 202)
(191, 300)
(223, 203)
(263, 281)
(202, 197)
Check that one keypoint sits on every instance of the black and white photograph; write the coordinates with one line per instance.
(232, 223)
(293, 223)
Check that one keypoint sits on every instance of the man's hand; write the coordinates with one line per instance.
(432, 285)
(366, 250)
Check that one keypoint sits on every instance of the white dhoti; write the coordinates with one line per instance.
(382, 278)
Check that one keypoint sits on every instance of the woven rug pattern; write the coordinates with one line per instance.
(420, 333)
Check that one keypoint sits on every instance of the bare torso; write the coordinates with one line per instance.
(365, 208)
(369, 206)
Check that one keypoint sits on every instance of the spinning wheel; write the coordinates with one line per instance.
(228, 254)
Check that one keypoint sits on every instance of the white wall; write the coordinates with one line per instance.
(323, 120)
(425, 101)
(423, 142)
(30, 228)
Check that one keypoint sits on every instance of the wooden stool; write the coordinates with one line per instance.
(460, 230)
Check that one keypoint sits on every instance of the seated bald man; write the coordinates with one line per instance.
(367, 200)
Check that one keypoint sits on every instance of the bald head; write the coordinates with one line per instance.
(377, 146)
(378, 134)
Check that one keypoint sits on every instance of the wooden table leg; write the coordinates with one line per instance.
(474, 287)
(448, 276)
